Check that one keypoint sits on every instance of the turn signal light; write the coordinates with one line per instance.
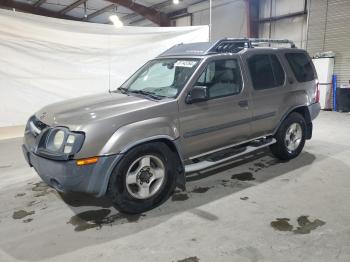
(87, 161)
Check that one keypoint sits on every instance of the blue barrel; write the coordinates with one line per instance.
(334, 82)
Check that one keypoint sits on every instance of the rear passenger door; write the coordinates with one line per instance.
(269, 90)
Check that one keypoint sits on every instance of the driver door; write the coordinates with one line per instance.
(225, 118)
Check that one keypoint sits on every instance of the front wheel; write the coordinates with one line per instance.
(143, 179)
(290, 137)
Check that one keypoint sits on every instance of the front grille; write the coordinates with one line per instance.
(38, 123)
(35, 134)
(35, 126)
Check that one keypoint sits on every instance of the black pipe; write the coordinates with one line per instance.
(280, 17)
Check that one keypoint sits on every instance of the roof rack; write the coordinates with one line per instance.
(234, 45)
(259, 41)
(226, 45)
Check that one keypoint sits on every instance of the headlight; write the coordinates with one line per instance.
(55, 140)
(60, 141)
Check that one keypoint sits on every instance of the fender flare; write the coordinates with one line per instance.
(306, 115)
(180, 180)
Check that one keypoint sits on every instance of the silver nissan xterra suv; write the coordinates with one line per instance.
(194, 106)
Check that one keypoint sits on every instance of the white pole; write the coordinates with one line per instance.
(210, 18)
(307, 23)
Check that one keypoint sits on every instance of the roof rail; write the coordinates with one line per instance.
(234, 45)
(257, 41)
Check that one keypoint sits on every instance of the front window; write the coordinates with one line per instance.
(222, 78)
(161, 77)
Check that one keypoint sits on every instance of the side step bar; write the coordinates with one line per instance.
(206, 163)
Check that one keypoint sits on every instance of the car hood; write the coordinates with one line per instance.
(80, 111)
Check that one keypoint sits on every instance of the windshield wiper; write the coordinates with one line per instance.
(122, 90)
(153, 95)
(147, 93)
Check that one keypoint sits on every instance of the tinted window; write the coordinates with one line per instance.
(301, 66)
(266, 71)
(222, 78)
(277, 71)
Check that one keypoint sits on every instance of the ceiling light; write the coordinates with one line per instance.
(176, 2)
(116, 21)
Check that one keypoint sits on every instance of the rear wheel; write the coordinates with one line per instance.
(143, 179)
(290, 137)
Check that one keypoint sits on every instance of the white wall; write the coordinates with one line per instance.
(228, 18)
(46, 60)
(182, 21)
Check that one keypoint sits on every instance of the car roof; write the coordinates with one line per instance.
(226, 45)
(192, 49)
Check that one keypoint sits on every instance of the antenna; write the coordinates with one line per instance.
(210, 19)
(109, 62)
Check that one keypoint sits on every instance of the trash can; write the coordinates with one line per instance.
(343, 99)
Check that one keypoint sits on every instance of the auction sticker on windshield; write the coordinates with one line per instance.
(185, 63)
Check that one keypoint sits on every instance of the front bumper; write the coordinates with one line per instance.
(66, 176)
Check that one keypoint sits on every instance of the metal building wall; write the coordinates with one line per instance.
(329, 30)
(289, 28)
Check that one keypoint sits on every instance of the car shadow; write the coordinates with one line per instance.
(201, 188)
(80, 199)
(89, 221)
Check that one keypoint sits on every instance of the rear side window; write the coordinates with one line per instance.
(277, 71)
(301, 66)
(266, 71)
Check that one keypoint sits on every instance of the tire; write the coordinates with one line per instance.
(128, 183)
(290, 130)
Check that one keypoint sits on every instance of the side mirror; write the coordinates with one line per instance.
(197, 94)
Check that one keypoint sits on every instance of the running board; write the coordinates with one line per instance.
(206, 163)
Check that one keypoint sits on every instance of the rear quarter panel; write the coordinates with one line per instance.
(304, 91)
(299, 93)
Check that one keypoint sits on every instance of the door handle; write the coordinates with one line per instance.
(243, 103)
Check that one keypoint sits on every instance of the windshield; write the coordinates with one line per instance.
(161, 77)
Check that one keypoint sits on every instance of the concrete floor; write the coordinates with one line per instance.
(8, 132)
(253, 209)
